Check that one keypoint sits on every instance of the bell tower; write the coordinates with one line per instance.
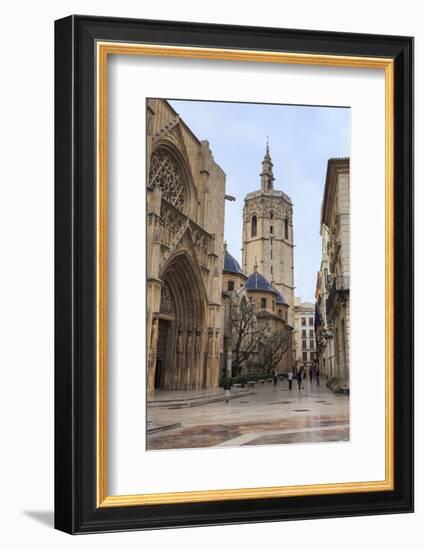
(268, 240)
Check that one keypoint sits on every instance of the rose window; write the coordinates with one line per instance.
(165, 172)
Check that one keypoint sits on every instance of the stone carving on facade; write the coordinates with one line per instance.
(154, 334)
(210, 342)
(167, 174)
(171, 218)
(189, 341)
(180, 341)
(217, 342)
(178, 235)
(197, 342)
(199, 240)
(156, 237)
(167, 304)
(174, 136)
(167, 129)
(174, 229)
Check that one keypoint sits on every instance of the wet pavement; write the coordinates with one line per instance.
(272, 415)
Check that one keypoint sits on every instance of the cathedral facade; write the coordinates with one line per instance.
(185, 229)
(191, 277)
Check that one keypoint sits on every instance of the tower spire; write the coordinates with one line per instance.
(267, 176)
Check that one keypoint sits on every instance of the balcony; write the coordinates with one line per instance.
(339, 293)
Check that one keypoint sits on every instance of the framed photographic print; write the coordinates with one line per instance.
(234, 272)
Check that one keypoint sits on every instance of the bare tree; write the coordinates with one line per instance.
(246, 332)
(273, 347)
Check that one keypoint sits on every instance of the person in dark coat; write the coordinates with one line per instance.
(299, 379)
(227, 388)
(290, 378)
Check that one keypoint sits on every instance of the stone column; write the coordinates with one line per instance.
(178, 382)
(153, 282)
(215, 372)
(188, 367)
(210, 357)
(169, 366)
(151, 354)
(152, 330)
(198, 360)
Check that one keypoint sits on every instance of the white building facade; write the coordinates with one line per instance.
(333, 284)
(304, 335)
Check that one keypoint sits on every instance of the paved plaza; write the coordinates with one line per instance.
(262, 415)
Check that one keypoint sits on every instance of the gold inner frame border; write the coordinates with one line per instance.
(103, 50)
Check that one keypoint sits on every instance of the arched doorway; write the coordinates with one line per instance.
(182, 331)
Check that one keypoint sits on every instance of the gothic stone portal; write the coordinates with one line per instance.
(185, 225)
(180, 356)
(184, 350)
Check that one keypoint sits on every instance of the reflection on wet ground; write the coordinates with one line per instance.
(313, 415)
(341, 434)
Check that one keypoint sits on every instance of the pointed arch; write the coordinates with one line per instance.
(185, 280)
(182, 366)
(253, 225)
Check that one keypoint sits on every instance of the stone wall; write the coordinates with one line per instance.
(185, 229)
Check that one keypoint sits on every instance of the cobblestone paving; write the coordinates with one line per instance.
(273, 415)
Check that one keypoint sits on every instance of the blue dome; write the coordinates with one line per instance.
(280, 298)
(256, 281)
(231, 265)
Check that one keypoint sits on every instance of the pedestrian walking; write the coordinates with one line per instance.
(290, 379)
(299, 380)
(275, 378)
(227, 388)
(317, 376)
(311, 374)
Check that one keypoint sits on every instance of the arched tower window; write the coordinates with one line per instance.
(286, 228)
(271, 216)
(254, 223)
(166, 173)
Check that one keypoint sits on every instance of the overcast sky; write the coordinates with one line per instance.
(301, 139)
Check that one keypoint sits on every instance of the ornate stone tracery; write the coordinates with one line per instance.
(183, 252)
(179, 231)
(167, 174)
(167, 304)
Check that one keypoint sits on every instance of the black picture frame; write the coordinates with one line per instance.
(76, 510)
